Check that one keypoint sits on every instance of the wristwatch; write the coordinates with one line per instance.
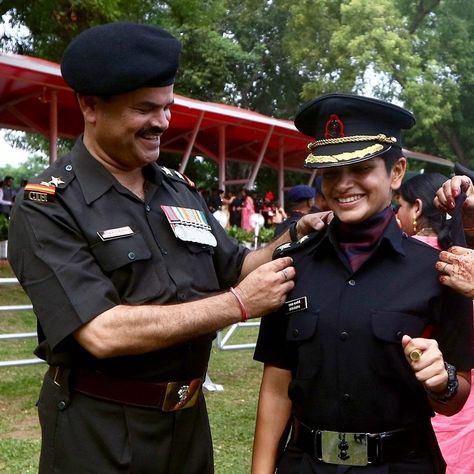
(452, 387)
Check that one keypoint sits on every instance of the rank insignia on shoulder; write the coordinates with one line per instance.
(289, 247)
(39, 193)
(177, 175)
(53, 182)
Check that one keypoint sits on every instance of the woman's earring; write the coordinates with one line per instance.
(415, 225)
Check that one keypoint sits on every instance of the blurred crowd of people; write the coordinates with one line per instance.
(8, 194)
(233, 209)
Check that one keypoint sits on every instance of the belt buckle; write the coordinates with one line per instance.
(349, 449)
(181, 395)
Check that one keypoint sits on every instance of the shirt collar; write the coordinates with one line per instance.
(392, 237)
(94, 178)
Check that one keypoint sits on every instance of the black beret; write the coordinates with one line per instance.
(350, 128)
(120, 57)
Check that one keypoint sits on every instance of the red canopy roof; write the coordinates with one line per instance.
(35, 98)
(27, 86)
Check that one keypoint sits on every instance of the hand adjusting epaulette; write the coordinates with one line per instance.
(288, 248)
(177, 176)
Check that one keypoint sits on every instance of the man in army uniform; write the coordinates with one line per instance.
(128, 272)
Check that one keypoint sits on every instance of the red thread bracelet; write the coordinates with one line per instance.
(468, 229)
(243, 311)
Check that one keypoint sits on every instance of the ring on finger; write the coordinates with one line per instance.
(444, 268)
(285, 275)
(415, 355)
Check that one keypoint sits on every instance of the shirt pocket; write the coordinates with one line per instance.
(201, 261)
(386, 354)
(302, 335)
(117, 253)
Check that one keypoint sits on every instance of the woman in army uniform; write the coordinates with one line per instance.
(369, 344)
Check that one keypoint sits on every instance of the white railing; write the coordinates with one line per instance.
(20, 335)
(223, 336)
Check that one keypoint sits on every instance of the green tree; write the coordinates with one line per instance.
(414, 52)
(270, 55)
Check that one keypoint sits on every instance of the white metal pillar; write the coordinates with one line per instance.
(256, 168)
(222, 159)
(281, 173)
(53, 126)
(190, 146)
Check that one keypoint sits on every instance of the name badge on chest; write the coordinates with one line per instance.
(190, 225)
(298, 304)
(117, 233)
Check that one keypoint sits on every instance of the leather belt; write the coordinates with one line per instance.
(167, 396)
(360, 449)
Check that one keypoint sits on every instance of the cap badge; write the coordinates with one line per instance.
(334, 127)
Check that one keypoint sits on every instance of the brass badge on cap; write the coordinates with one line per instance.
(334, 127)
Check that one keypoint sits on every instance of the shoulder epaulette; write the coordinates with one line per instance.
(58, 175)
(288, 248)
(176, 176)
(43, 188)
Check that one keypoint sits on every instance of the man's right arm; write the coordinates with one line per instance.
(125, 330)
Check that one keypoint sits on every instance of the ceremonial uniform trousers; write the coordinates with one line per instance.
(340, 335)
(80, 244)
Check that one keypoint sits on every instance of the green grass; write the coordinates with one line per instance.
(232, 412)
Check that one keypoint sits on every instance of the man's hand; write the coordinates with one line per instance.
(264, 290)
(456, 266)
(313, 222)
(451, 189)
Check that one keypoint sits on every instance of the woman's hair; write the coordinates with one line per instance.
(424, 187)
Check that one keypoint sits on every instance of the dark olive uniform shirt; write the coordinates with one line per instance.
(72, 275)
(343, 346)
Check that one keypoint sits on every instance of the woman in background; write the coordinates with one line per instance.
(419, 218)
(248, 208)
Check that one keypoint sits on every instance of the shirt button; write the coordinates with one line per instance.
(147, 207)
(399, 334)
(343, 336)
(131, 255)
(295, 333)
(68, 167)
(61, 405)
(351, 282)
(164, 251)
(346, 398)
(181, 296)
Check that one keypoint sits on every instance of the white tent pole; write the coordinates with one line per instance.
(53, 127)
(222, 158)
(189, 147)
(281, 174)
(256, 168)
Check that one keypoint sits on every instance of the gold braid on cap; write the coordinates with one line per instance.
(381, 138)
(348, 155)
